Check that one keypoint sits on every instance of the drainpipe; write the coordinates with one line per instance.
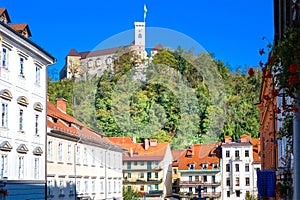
(75, 173)
(296, 152)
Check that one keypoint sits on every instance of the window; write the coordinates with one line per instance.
(191, 166)
(204, 189)
(129, 175)
(4, 115)
(156, 174)
(135, 163)
(60, 152)
(213, 178)
(93, 157)
(129, 187)
(128, 165)
(86, 187)
(174, 171)
(227, 167)
(227, 154)
(204, 166)
(156, 186)
(142, 188)
(78, 189)
(36, 168)
(61, 187)
(142, 175)
(204, 178)
(69, 153)
(246, 153)
(237, 167)
(20, 120)
(142, 163)
(36, 125)
(238, 193)
(50, 187)
(237, 154)
(237, 181)
(247, 181)
(21, 167)
(101, 187)
(228, 193)
(50, 151)
(215, 165)
(227, 181)
(115, 186)
(246, 167)
(78, 155)
(190, 178)
(85, 156)
(155, 163)
(3, 163)
(213, 189)
(37, 75)
(71, 190)
(22, 66)
(4, 58)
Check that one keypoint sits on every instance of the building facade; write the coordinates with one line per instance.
(240, 163)
(81, 163)
(23, 112)
(200, 172)
(147, 167)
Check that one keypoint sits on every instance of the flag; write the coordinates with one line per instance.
(145, 11)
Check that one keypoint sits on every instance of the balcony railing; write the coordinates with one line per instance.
(142, 181)
(193, 183)
(143, 169)
(211, 194)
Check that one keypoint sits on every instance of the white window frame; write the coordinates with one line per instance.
(86, 187)
(71, 189)
(50, 151)
(4, 58)
(3, 165)
(4, 114)
(69, 153)
(50, 188)
(21, 66)
(37, 125)
(60, 152)
(21, 167)
(21, 120)
(78, 155)
(85, 156)
(37, 75)
(36, 168)
(61, 187)
(93, 157)
(78, 189)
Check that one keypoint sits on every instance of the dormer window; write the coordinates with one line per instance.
(204, 166)
(191, 166)
(215, 165)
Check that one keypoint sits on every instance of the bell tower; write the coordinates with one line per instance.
(139, 34)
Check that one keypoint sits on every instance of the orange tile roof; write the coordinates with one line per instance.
(20, 28)
(69, 125)
(139, 152)
(158, 47)
(200, 154)
(4, 11)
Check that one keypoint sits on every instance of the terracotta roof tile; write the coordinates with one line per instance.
(3, 11)
(158, 47)
(200, 154)
(139, 152)
(73, 52)
(20, 28)
(69, 125)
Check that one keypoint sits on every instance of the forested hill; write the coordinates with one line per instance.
(181, 99)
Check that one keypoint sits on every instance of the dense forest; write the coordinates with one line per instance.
(177, 97)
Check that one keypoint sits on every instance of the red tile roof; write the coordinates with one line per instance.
(138, 150)
(158, 47)
(69, 125)
(73, 52)
(20, 28)
(200, 154)
(3, 11)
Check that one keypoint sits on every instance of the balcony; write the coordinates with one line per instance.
(142, 181)
(194, 183)
(211, 194)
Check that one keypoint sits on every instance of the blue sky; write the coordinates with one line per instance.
(232, 30)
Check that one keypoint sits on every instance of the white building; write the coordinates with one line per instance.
(239, 166)
(200, 172)
(23, 111)
(81, 163)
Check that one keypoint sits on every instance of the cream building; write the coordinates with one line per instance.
(23, 111)
(81, 163)
(147, 167)
(240, 163)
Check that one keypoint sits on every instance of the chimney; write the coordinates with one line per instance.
(146, 144)
(61, 104)
(153, 142)
(228, 139)
(131, 152)
(134, 138)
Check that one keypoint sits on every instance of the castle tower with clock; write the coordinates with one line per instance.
(94, 63)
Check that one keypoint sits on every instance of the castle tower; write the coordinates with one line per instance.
(139, 34)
